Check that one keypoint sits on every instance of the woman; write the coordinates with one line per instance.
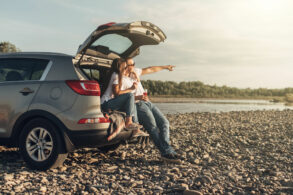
(122, 100)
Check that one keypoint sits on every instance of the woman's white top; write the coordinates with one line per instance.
(109, 91)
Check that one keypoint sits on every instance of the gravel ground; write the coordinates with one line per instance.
(226, 153)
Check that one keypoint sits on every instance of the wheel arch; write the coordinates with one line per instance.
(67, 145)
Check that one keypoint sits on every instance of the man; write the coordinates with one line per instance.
(148, 114)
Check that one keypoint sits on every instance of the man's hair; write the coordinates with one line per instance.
(128, 58)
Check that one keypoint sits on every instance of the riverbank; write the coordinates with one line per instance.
(162, 99)
(247, 152)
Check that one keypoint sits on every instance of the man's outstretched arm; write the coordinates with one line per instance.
(153, 69)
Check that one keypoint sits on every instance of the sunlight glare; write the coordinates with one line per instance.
(268, 5)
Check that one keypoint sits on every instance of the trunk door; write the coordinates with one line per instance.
(115, 40)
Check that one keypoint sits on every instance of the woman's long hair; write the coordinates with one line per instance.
(117, 68)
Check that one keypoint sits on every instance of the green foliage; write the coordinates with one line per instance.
(6, 47)
(198, 89)
(289, 97)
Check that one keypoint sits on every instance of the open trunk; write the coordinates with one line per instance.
(114, 40)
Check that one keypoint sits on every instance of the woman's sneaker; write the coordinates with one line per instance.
(133, 126)
(139, 133)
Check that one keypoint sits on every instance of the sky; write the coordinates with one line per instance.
(237, 43)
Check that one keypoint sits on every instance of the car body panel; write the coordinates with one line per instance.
(13, 103)
(54, 97)
(81, 110)
(94, 138)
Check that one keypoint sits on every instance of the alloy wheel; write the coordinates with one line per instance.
(39, 144)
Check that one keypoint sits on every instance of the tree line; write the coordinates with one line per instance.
(198, 89)
(194, 89)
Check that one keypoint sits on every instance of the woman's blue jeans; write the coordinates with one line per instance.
(156, 124)
(123, 103)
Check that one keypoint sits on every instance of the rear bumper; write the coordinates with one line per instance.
(95, 138)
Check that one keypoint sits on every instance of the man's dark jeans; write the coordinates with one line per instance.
(156, 124)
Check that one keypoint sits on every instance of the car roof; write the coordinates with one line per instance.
(34, 55)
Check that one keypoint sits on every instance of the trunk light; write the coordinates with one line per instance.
(93, 120)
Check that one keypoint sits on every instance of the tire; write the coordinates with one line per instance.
(40, 145)
(109, 148)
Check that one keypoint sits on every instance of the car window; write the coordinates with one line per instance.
(19, 69)
(114, 42)
(93, 74)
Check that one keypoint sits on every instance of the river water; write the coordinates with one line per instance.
(220, 106)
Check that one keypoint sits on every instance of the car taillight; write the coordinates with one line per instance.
(91, 88)
(93, 120)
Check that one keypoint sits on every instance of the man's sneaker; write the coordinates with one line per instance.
(172, 158)
(178, 156)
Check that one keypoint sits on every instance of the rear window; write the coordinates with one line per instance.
(22, 69)
(114, 42)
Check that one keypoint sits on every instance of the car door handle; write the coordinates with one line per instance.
(26, 91)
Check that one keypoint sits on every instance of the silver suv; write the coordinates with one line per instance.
(50, 102)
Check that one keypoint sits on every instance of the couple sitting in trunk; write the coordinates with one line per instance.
(125, 93)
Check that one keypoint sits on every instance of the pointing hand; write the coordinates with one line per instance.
(170, 67)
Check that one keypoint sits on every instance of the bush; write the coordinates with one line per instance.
(289, 97)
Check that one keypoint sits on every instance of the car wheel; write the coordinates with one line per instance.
(109, 148)
(40, 145)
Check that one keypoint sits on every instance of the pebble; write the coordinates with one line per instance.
(43, 189)
(140, 176)
(8, 177)
(44, 180)
(93, 160)
(158, 188)
(126, 177)
(93, 189)
(175, 170)
(24, 173)
(139, 182)
(63, 177)
(112, 168)
(123, 155)
(247, 152)
(196, 161)
(18, 188)
(165, 178)
(191, 192)
(184, 186)
(62, 169)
